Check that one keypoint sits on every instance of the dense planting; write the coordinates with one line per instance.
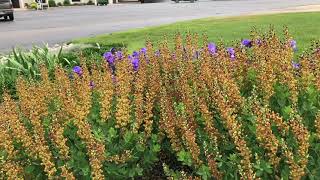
(195, 113)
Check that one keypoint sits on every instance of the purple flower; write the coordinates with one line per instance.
(143, 50)
(119, 55)
(91, 84)
(231, 52)
(157, 53)
(108, 56)
(259, 42)
(135, 54)
(212, 48)
(293, 44)
(296, 65)
(135, 63)
(247, 43)
(77, 70)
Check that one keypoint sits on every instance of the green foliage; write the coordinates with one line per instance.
(66, 2)
(26, 64)
(33, 5)
(52, 3)
(102, 2)
(90, 2)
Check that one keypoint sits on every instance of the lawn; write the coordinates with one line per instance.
(304, 27)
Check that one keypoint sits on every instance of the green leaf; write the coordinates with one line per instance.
(128, 137)
(185, 158)
(112, 133)
(204, 172)
(29, 169)
(156, 148)
(140, 147)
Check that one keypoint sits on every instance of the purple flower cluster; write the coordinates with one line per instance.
(109, 57)
(259, 42)
(157, 53)
(232, 53)
(247, 43)
(143, 51)
(293, 45)
(77, 70)
(212, 48)
(296, 65)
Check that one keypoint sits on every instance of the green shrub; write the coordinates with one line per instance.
(90, 2)
(26, 5)
(102, 2)
(59, 4)
(52, 3)
(66, 3)
(33, 5)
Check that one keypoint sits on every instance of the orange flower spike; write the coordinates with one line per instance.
(282, 126)
(34, 104)
(295, 169)
(168, 119)
(234, 128)
(140, 85)
(105, 86)
(302, 135)
(189, 137)
(123, 89)
(18, 129)
(77, 102)
(152, 88)
(213, 165)
(265, 135)
(179, 46)
(13, 171)
(57, 131)
(66, 173)
(8, 166)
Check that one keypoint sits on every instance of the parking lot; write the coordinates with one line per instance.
(58, 25)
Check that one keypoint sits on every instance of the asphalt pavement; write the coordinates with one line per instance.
(58, 25)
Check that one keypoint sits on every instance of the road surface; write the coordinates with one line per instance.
(58, 25)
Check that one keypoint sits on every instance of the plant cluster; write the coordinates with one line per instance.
(26, 64)
(52, 3)
(66, 2)
(248, 112)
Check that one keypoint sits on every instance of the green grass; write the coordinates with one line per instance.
(304, 27)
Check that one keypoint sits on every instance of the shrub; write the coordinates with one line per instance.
(33, 5)
(66, 2)
(194, 113)
(59, 4)
(52, 3)
(90, 2)
(26, 5)
(102, 2)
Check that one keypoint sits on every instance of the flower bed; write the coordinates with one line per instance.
(248, 112)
